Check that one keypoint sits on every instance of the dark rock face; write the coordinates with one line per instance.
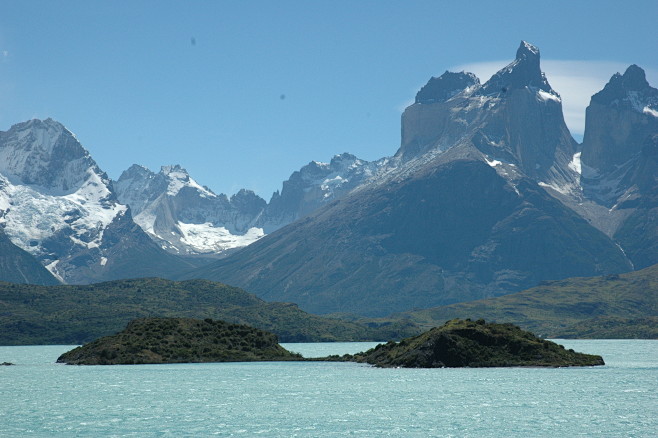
(523, 72)
(179, 340)
(619, 120)
(515, 118)
(464, 343)
(316, 185)
(445, 86)
(18, 266)
(619, 161)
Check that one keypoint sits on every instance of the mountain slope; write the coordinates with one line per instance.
(608, 306)
(620, 161)
(56, 204)
(462, 217)
(68, 314)
(458, 234)
(18, 266)
(185, 218)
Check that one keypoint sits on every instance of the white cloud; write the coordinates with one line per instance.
(576, 81)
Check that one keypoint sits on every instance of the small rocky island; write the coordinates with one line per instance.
(466, 343)
(180, 340)
(458, 343)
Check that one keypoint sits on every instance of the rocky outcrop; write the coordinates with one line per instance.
(466, 343)
(180, 340)
(619, 119)
(515, 118)
(620, 162)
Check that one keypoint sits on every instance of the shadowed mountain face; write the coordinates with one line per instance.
(18, 266)
(458, 233)
(620, 161)
(460, 213)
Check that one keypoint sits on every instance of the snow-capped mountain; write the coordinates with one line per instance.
(469, 207)
(186, 218)
(56, 204)
(514, 119)
(316, 185)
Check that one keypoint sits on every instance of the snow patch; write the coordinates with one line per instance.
(179, 178)
(52, 267)
(545, 96)
(562, 190)
(493, 163)
(650, 111)
(575, 164)
(103, 261)
(208, 238)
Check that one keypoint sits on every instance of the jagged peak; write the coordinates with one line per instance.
(136, 170)
(445, 86)
(630, 89)
(178, 177)
(524, 71)
(176, 169)
(246, 195)
(527, 50)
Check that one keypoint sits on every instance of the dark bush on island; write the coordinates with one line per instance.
(466, 343)
(180, 340)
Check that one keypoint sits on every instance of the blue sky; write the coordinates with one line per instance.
(242, 93)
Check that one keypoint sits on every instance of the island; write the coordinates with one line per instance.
(180, 340)
(457, 343)
(466, 343)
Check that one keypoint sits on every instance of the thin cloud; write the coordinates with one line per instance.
(576, 81)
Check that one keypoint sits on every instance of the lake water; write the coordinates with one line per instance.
(317, 399)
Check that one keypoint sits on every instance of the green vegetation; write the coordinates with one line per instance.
(621, 306)
(465, 343)
(78, 314)
(180, 340)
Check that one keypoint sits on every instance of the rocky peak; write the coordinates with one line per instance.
(524, 71)
(629, 90)
(445, 86)
(246, 201)
(136, 171)
(44, 153)
(619, 120)
(178, 178)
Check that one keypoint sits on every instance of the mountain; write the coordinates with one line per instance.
(185, 218)
(612, 306)
(56, 204)
(18, 266)
(463, 211)
(620, 161)
(317, 184)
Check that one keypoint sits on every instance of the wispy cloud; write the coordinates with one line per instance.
(576, 81)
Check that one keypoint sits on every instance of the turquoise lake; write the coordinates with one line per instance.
(318, 399)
